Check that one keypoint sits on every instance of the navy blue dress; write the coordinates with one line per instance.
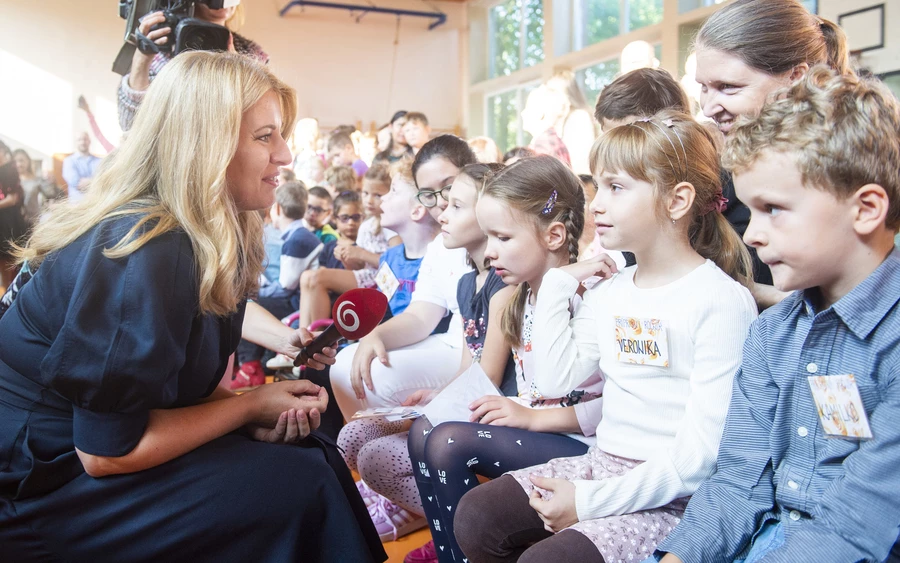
(90, 346)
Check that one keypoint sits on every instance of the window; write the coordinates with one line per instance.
(516, 36)
(598, 20)
(594, 78)
(504, 124)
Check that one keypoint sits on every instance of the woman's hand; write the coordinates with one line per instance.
(501, 411)
(370, 347)
(559, 512)
(139, 77)
(301, 337)
(272, 400)
(292, 426)
(601, 266)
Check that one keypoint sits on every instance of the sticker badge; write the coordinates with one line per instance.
(641, 341)
(386, 281)
(840, 407)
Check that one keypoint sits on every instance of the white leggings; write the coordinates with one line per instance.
(428, 364)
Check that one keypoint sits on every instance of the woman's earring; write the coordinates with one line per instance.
(673, 221)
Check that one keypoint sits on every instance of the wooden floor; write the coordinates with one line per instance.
(397, 550)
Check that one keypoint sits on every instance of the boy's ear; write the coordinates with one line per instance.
(556, 236)
(418, 212)
(870, 209)
(681, 200)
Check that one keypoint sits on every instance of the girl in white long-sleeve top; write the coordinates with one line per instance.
(667, 335)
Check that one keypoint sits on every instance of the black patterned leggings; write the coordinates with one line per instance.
(447, 461)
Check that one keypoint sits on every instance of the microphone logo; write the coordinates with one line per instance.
(348, 314)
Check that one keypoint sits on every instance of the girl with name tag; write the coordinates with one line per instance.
(667, 336)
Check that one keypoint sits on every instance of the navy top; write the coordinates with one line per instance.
(836, 497)
(92, 344)
(474, 308)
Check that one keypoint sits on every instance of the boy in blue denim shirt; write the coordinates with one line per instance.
(807, 467)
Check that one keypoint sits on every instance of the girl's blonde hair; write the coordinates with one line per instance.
(170, 171)
(545, 190)
(668, 149)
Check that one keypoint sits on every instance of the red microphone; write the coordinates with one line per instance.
(356, 313)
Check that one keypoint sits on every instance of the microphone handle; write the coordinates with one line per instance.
(329, 337)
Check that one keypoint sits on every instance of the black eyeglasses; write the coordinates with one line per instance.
(356, 218)
(316, 210)
(429, 198)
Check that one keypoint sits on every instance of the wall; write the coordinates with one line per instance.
(51, 51)
(879, 61)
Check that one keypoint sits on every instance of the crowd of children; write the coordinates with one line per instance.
(693, 346)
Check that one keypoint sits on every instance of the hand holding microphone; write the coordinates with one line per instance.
(356, 313)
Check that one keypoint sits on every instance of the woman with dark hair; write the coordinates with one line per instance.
(397, 147)
(746, 52)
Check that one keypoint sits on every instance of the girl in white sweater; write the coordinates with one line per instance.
(666, 333)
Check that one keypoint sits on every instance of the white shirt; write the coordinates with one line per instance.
(671, 417)
(439, 275)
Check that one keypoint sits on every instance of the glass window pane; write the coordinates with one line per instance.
(642, 13)
(503, 119)
(534, 32)
(594, 78)
(600, 19)
(505, 22)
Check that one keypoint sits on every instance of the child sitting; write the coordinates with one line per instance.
(299, 252)
(416, 131)
(345, 265)
(318, 215)
(340, 179)
(806, 469)
(397, 277)
(341, 152)
(667, 336)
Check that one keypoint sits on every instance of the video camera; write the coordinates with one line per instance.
(188, 33)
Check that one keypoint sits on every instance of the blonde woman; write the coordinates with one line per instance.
(115, 443)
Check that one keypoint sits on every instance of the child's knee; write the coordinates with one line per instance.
(309, 279)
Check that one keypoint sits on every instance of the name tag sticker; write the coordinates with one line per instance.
(840, 407)
(641, 341)
(386, 281)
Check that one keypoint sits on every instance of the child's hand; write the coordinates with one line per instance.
(601, 266)
(420, 397)
(559, 512)
(501, 411)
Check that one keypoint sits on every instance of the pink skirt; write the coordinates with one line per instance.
(620, 539)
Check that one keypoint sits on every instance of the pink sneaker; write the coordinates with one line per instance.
(248, 377)
(393, 522)
(424, 554)
(368, 495)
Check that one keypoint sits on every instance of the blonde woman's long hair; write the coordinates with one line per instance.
(170, 171)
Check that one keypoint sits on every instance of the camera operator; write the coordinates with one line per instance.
(145, 67)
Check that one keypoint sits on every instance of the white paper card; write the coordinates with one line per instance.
(452, 403)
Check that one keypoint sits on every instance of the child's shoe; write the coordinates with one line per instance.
(248, 377)
(368, 495)
(424, 554)
(393, 522)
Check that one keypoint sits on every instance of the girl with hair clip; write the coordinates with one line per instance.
(384, 462)
(745, 52)
(115, 441)
(533, 215)
(666, 334)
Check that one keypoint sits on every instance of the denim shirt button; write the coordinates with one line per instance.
(812, 368)
(802, 432)
(794, 515)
